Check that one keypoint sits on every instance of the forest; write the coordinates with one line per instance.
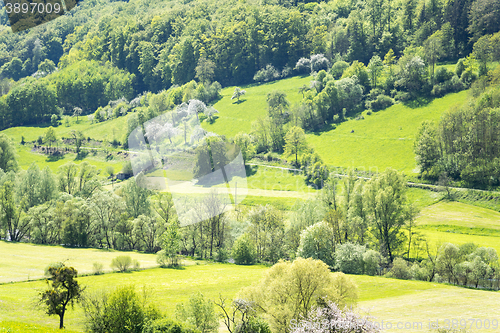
(121, 67)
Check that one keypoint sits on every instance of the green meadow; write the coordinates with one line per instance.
(384, 299)
(380, 140)
(22, 261)
(459, 223)
(235, 117)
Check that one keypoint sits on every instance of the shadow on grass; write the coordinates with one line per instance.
(418, 102)
(81, 155)
(251, 170)
(54, 158)
(240, 101)
(326, 128)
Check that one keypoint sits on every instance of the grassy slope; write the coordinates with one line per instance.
(460, 223)
(386, 299)
(237, 117)
(107, 130)
(383, 139)
(21, 261)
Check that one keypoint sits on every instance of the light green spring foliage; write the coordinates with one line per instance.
(244, 252)
(317, 242)
(8, 158)
(291, 289)
(198, 312)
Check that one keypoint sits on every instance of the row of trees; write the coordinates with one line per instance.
(160, 49)
(290, 295)
(464, 144)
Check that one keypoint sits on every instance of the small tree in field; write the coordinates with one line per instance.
(63, 291)
(238, 92)
(295, 141)
(121, 263)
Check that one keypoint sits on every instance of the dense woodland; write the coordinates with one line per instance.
(152, 46)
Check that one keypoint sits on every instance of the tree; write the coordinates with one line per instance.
(50, 135)
(205, 70)
(433, 49)
(47, 66)
(385, 199)
(63, 291)
(77, 113)
(267, 231)
(344, 321)
(136, 197)
(8, 157)
(238, 92)
(290, 290)
(170, 243)
(121, 311)
(295, 141)
(148, 230)
(374, 68)
(349, 258)
(78, 137)
(244, 143)
(426, 147)
(448, 257)
(54, 120)
(317, 242)
(199, 312)
(11, 212)
(243, 251)
(110, 170)
(66, 174)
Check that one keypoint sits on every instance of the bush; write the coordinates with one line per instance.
(267, 74)
(198, 312)
(121, 263)
(121, 311)
(418, 273)
(303, 66)
(349, 258)
(442, 75)
(254, 325)
(244, 252)
(317, 242)
(167, 326)
(371, 260)
(97, 268)
(400, 269)
(338, 69)
(380, 103)
(319, 62)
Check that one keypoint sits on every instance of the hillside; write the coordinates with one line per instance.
(385, 299)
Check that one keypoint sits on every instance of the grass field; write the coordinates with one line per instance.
(459, 223)
(385, 299)
(237, 117)
(381, 140)
(21, 261)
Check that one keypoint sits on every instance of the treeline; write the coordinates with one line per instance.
(464, 145)
(166, 43)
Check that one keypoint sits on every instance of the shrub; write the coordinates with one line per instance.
(136, 264)
(442, 75)
(198, 312)
(243, 251)
(400, 269)
(349, 258)
(338, 69)
(97, 268)
(121, 311)
(303, 66)
(267, 74)
(121, 263)
(418, 273)
(460, 67)
(317, 242)
(319, 62)
(167, 326)
(371, 260)
(382, 102)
